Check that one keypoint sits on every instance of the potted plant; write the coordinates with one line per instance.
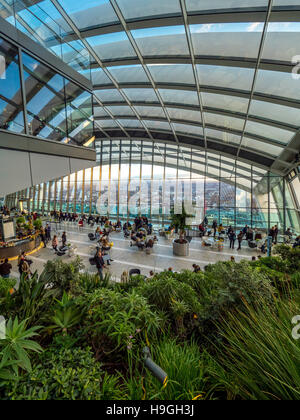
(179, 222)
(38, 224)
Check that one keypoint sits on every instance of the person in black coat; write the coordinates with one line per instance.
(232, 238)
(100, 264)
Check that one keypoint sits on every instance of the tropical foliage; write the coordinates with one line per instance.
(225, 333)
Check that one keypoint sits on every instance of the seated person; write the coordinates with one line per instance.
(140, 244)
(133, 237)
(150, 244)
(297, 243)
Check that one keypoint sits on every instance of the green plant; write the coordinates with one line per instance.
(20, 221)
(6, 285)
(32, 299)
(38, 224)
(259, 352)
(177, 300)
(66, 315)
(7, 373)
(17, 343)
(90, 282)
(187, 370)
(63, 374)
(65, 277)
(119, 320)
(179, 221)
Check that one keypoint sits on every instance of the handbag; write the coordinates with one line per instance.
(92, 261)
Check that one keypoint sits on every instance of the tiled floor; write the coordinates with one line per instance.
(126, 258)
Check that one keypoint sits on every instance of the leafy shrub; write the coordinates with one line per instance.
(17, 344)
(32, 300)
(20, 220)
(6, 285)
(291, 256)
(177, 300)
(233, 285)
(64, 375)
(187, 370)
(64, 277)
(120, 318)
(38, 224)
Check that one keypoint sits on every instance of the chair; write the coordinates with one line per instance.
(134, 272)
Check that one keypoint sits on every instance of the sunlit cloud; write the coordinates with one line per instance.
(204, 28)
(254, 27)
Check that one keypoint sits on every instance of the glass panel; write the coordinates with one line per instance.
(112, 46)
(188, 129)
(109, 95)
(277, 84)
(79, 113)
(11, 104)
(224, 136)
(107, 123)
(148, 111)
(184, 97)
(88, 14)
(270, 132)
(162, 41)
(134, 9)
(141, 95)
(261, 146)
(274, 112)
(225, 121)
(160, 125)
(45, 100)
(130, 123)
(227, 39)
(296, 188)
(100, 112)
(227, 77)
(175, 73)
(184, 114)
(219, 5)
(225, 102)
(100, 78)
(281, 41)
(121, 110)
(129, 74)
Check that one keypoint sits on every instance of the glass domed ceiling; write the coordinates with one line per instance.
(217, 75)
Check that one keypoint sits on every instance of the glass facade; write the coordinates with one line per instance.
(36, 100)
(150, 179)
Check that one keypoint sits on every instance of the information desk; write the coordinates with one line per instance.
(16, 247)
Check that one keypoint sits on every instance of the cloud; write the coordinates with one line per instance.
(254, 27)
(204, 28)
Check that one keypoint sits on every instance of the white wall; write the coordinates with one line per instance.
(20, 170)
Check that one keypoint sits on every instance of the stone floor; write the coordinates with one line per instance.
(126, 258)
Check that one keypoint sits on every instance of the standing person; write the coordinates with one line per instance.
(276, 232)
(25, 269)
(214, 227)
(240, 239)
(43, 237)
(245, 230)
(99, 263)
(48, 232)
(272, 233)
(64, 239)
(232, 238)
(55, 243)
(5, 269)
